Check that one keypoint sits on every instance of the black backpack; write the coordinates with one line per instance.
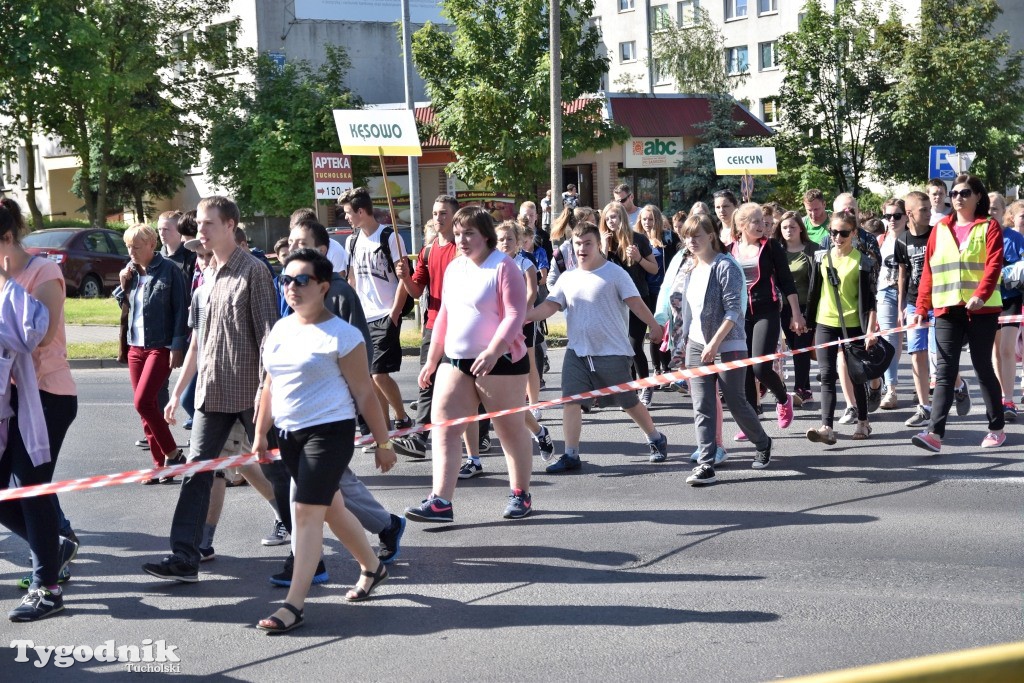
(385, 237)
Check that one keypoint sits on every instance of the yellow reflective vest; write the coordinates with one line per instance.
(956, 272)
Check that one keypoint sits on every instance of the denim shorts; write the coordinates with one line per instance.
(920, 339)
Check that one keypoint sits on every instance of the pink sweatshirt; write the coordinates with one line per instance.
(480, 303)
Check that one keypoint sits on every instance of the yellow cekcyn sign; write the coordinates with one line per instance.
(745, 161)
(374, 132)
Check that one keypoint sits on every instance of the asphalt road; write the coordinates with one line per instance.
(833, 557)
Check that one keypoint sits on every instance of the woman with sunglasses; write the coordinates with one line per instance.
(767, 272)
(317, 380)
(960, 281)
(894, 216)
(856, 292)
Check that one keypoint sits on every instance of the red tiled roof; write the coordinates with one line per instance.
(426, 115)
(674, 115)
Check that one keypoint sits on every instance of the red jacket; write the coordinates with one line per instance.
(989, 280)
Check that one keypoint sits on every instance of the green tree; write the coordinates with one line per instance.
(120, 82)
(488, 80)
(839, 68)
(34, 38)
(959, 84)
(262, 136)
(692, 56)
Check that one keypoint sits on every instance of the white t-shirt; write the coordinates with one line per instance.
(696, 290)
(337, 255)
(596, 316)
(472, 304)
(376, 282)
(302, 360)
(136, 332)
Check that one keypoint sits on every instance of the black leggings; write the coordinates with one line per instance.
(829, 374)
(801, 361)
(36, 519)
(979, 331)
(637, 330)
(659, 359)
(763, 338)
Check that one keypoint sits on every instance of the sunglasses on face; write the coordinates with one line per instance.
(840, 233)
(965, 193)
(298, 280)
(893, 216)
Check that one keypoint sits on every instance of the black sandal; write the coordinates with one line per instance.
(277, 626)
(357, 594)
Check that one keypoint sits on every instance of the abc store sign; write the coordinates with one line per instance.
(652, 152)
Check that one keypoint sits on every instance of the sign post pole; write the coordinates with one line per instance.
(391, 205)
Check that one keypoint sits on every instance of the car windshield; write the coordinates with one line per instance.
(47, 239)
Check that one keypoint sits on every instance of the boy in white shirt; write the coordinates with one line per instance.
(597, 297)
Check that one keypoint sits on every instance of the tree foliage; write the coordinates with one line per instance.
(959, 84)
(488, 80)
(692, 56)
(262, 136)
(839, 70)
(122, 83)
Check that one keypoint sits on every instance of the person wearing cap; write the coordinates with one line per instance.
(154, 288)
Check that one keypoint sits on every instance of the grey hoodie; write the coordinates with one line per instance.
(723, 300)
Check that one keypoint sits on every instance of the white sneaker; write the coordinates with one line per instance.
(849, 417)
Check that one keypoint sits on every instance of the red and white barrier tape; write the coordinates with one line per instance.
(105, 480)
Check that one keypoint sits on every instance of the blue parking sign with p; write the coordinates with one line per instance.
(938, 165)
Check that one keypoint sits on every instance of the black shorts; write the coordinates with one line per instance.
(387, 346)
(316, 457)
(504, 366)
(1012, 307)
(529, 331)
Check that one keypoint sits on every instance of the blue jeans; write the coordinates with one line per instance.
(887, 310)
(209, 434)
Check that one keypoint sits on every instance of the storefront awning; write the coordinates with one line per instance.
(674, 115)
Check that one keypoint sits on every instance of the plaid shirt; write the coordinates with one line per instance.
(240, 313)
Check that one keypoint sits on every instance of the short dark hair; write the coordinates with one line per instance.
(305, 213)
(240, 235)
(792, 216)
(323, 271)
(359, 199)
(623, 187)
(974, 182)
(476, 217)
(227, 209)
(570, 187)
(317, 231)
(187, 226)
(11, 219)
(451, 201)
(937, 182)
(813, 195)
(280, 244)
(581, 230)
(726, 194)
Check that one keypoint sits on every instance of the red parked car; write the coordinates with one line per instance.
(90, 258)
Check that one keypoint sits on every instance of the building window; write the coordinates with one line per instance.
(225, 36)
(687, 12)
(769, 55)
(736, 61)
(735, 9)
(626, 5)
(767, 6)
(661, 19)
(627, 51)
(770, 110)
(661, 73)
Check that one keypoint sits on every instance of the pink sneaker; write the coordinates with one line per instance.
(784, 412)
(740, 436)
(927, 441)
(993, 440)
